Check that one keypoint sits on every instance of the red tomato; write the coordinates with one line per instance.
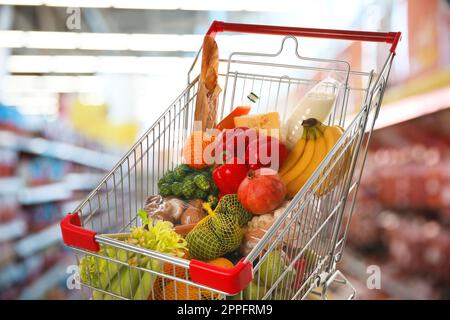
(265, 151)
(233, 143)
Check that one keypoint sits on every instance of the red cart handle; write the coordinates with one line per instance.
(388, 37)
(231, 281)
(74, 235)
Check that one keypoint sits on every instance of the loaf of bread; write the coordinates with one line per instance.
(208, 89)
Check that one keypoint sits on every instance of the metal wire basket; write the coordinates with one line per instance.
(312, 230)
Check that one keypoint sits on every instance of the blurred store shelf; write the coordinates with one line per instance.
(13, 229)
(46, 193)
(40, 180)
(10, 185)
(82, 181)
(58, 191)
(38, 241)
(413, 107)
(401, 221)
(59, 150)
(50, 279)
(16, 272)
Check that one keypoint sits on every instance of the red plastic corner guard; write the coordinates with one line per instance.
(74, 235)
(388, 37)
(231, 281)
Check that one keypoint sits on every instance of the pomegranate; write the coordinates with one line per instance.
(261, 191)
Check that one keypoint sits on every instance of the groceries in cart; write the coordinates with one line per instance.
(216, 207)
(216, 212)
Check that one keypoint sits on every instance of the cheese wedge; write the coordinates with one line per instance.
(263, 122)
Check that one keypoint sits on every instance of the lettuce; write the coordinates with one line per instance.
(157, 235)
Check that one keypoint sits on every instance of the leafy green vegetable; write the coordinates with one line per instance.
(158, 236)
(169, 177)
(200, 194)
(125, 283)
(165, 189)
(177, 189)
(142, 214)
(190, 176)
(188, 188)
(202, 182)
(181, 171)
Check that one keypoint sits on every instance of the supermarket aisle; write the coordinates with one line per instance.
(45, 170)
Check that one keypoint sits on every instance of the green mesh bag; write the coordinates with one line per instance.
(230, 205)
(220, 232)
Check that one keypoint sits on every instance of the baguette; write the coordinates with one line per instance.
(210, 63)
(208, 89)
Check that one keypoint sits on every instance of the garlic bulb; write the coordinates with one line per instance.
(263, 221)
(279, 211)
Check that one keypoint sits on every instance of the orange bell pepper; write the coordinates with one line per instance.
(228, 121)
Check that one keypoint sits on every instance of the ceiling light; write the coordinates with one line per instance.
(96, 64)
(229, 5)
(99, 41)
(50, 40)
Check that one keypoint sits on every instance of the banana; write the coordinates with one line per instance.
(320, 151)
(332, 135)
(295, 154)
(308, 153)
(303, 161)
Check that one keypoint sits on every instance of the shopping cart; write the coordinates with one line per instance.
(310, 234)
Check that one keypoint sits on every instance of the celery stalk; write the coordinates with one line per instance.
(125, 283)
(98, 272)
(97, 295)
(145, 286)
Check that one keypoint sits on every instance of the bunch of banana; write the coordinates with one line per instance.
(307, 154)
